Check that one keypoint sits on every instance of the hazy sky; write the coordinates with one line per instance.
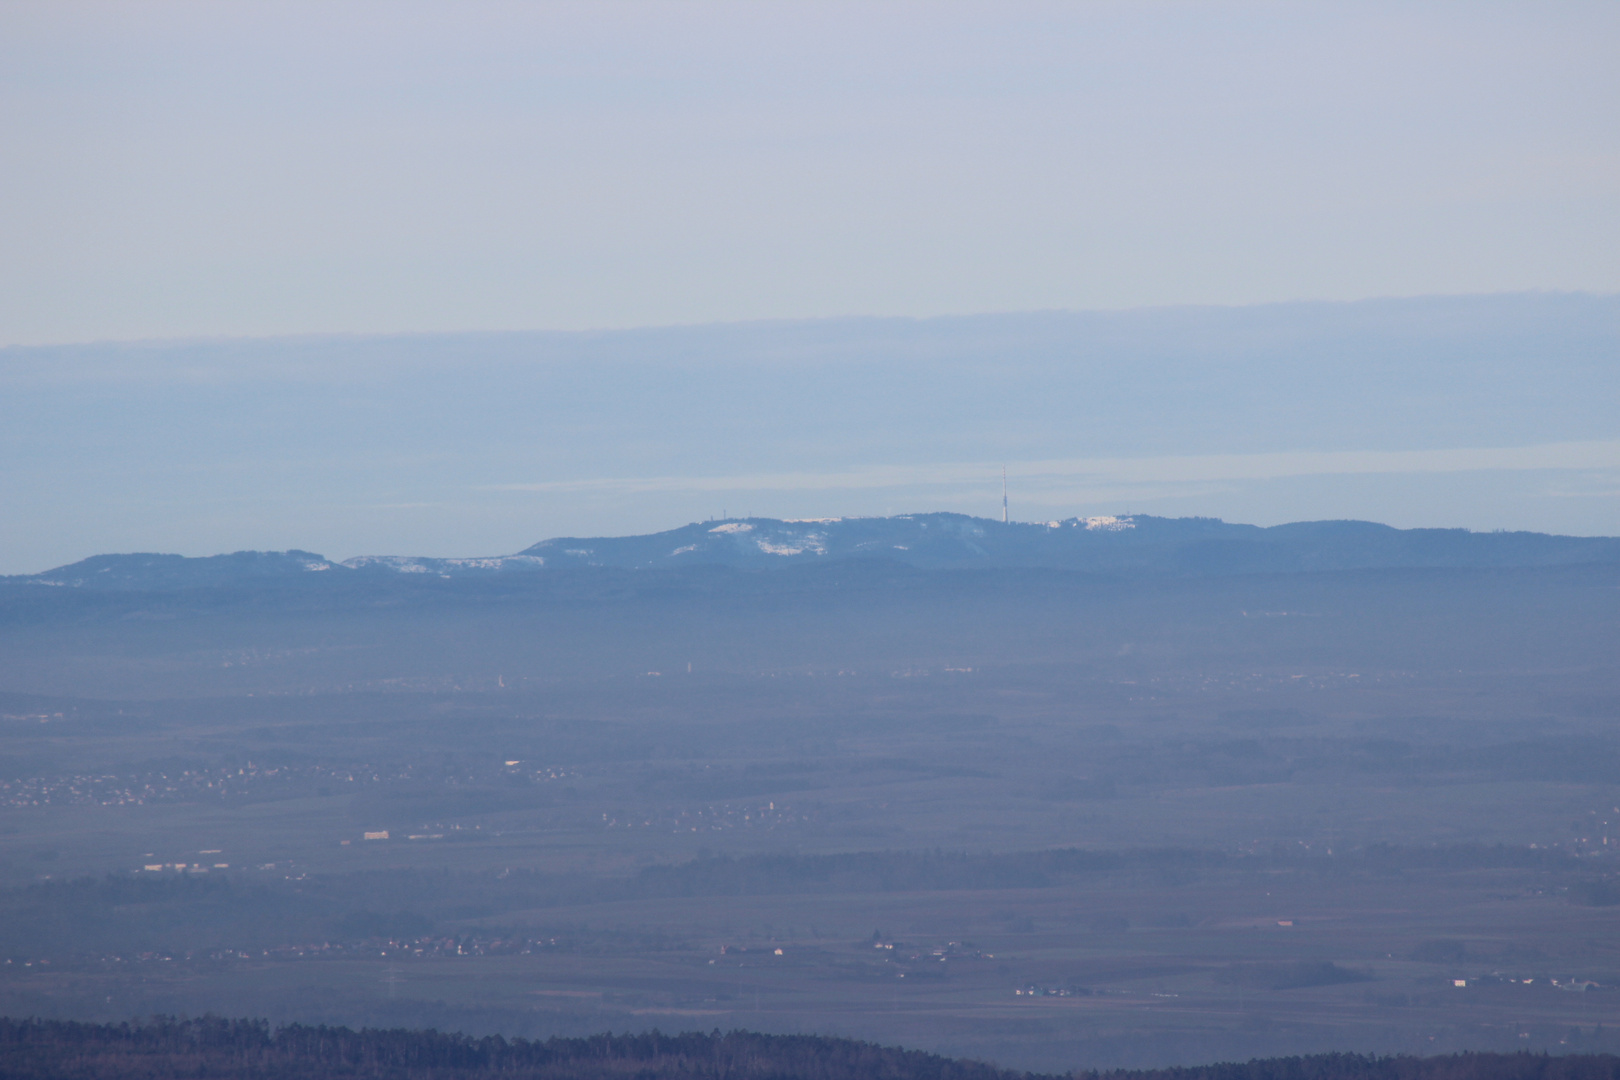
(173, 170)
(210, 177)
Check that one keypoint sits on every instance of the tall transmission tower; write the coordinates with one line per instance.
(1004, 494)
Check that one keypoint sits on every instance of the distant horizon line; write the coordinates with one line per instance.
(338, 335)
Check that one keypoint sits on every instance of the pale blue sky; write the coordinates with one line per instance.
(183, 169)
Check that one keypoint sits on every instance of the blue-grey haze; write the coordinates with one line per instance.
(1482, 412)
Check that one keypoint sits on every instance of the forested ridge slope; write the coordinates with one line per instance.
(1106, 545)
(210, 1047)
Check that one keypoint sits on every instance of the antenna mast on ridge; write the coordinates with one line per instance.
(1004, 494)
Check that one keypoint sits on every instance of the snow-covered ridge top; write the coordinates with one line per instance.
(1094, 524)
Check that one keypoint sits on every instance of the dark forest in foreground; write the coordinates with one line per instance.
(213, 1047)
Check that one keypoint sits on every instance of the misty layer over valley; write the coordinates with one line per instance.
(1106, 791)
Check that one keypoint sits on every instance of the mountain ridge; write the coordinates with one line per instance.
(931, 541)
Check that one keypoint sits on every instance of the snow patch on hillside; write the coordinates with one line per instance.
(412, 564)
